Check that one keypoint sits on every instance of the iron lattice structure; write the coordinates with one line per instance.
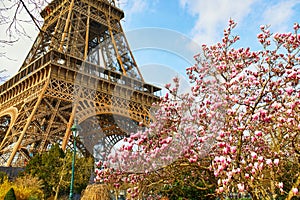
(80, 66)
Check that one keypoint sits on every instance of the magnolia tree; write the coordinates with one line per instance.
(237, 132)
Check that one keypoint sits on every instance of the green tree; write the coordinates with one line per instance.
(47, 166)
(54, 168)
(10, 195)
(83, 171)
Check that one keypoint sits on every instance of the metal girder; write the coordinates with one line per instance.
(80, 66)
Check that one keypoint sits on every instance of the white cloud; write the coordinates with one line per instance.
(130, 7)
(279, 14)
(212, 16)
(133, 7)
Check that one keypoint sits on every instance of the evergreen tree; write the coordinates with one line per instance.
(10, 195)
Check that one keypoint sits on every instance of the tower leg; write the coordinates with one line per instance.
(70, 122)
(12, 112)
(18, 143)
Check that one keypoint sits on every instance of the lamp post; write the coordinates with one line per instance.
(75, 130)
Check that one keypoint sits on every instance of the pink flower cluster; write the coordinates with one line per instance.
(242, 115)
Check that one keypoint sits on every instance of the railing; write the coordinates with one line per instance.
(25, 72)
(12, 172)
(79, 66)
(94, 70)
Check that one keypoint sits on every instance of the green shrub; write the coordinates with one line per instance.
(10, 195)
(24, 187)
(33, 198)
(28, 186)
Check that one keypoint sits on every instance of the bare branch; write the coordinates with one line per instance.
(31, 16)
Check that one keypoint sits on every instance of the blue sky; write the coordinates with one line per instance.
(204, 20)
(165, 34)
(199, 22)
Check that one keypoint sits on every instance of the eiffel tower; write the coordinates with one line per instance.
(79, 67)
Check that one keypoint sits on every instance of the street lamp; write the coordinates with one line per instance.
(75, 130)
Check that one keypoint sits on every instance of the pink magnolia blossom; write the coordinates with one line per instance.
(256, 165)
(233, 149)
(296, 26)
(253, 155)
(240, 117)
(258, 133)
(221, 190)
(247, 175)
(168, 85)
(241, 187)
(261, 166)
(295, 191)
(289, 90)
(269, 162)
